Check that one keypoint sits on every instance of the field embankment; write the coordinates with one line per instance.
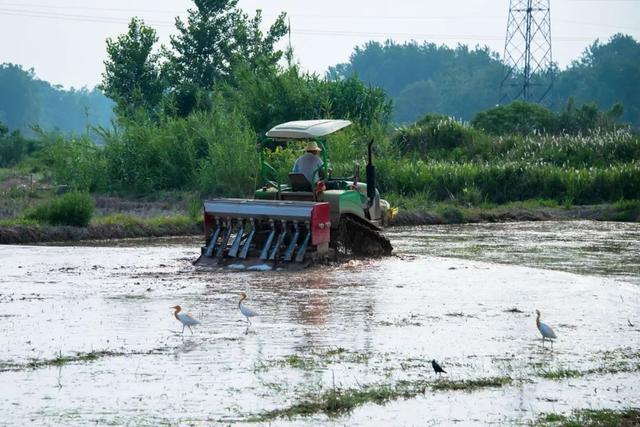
(108, 218)
(130, 227)
(453, 214)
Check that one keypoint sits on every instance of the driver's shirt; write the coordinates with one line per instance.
(308, 165)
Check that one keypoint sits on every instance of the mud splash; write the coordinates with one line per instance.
(366, 326)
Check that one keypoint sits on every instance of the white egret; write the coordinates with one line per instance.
(246, 311)
(184, 318)
(545, 330)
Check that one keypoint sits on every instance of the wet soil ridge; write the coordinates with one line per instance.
(455, 215)
(61, 359)
(22, 234)
(338, 401)
(362, 241)
(593, 417)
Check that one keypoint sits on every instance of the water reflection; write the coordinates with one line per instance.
(316, 309)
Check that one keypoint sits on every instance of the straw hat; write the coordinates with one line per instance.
(313, 147)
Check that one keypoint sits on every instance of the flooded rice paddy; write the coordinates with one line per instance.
(88, 336)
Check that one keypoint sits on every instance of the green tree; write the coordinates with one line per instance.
(607, 74)
(461, 81)
(267, 100)
(27, 102)
(132, 73)
(216, 37)
(19, 100)
(427, 78)
(588, 117)
(204, 45)
(257, 50)
(14, 147)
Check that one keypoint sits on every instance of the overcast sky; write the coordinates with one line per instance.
(64, 40)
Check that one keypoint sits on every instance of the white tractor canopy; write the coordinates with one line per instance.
(306, 129)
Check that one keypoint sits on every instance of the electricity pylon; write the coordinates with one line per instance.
(528, 62)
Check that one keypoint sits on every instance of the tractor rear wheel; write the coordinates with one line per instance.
(356, 236)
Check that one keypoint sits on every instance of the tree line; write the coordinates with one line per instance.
(460, 82)
(219, 47)
(27, 102)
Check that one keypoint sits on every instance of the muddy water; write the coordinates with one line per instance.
(357, 325)
(602, 248)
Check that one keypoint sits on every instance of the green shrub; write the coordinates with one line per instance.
(281, 159)
(229, 167)
(76, 162)
(14, 147)
(74, 209)
(435, 134)
(517, 118)
(526, 119)
(210, 151)
(588, 117)
(194, 208)
(627, 210)
(471, 196)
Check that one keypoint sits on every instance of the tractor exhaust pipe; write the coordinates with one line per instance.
(371, 176)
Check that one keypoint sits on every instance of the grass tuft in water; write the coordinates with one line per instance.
(298, 362)
(336, 402)
(552, 418)
(61, 359)
(335, 352)
(317, 359)
(469, 385)
(562, 373)
(593, 417)
(615, 362)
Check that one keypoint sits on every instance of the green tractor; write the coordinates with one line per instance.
(298, 221)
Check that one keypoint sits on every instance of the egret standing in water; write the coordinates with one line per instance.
(246, 311)
(184, 318)
(545, 330)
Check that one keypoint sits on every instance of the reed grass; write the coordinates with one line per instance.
(510, 181)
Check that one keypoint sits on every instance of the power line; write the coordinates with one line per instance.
(301, 31)
(102, 9)
(30, 13)
(120, 19)
(76, 17)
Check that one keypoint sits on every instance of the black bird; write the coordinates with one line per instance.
(437, 368)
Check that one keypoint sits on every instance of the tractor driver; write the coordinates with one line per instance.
(310, 163)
